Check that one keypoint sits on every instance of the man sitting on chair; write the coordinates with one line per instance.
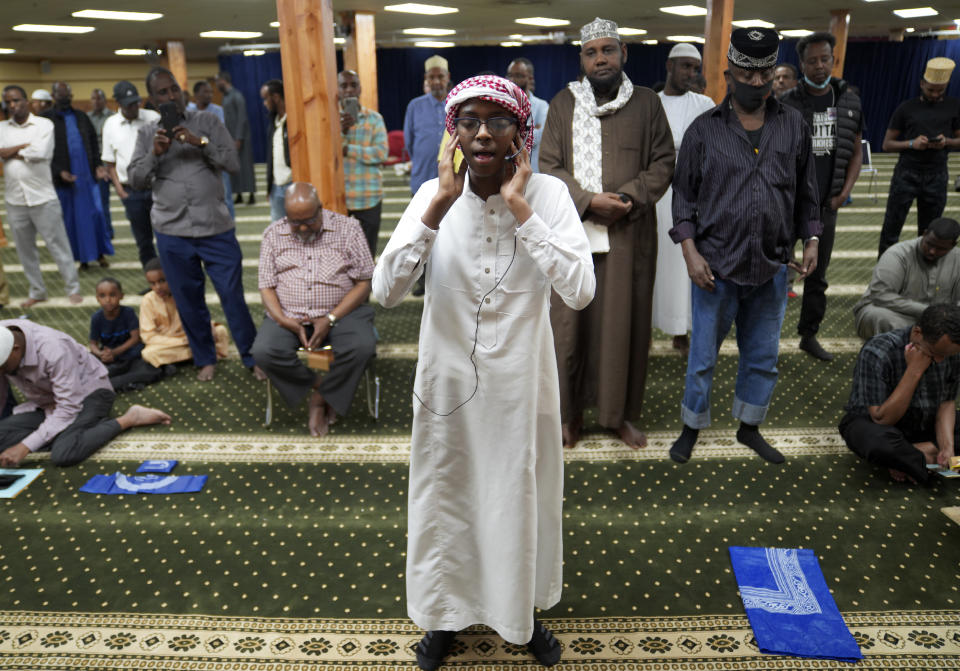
(315, 270)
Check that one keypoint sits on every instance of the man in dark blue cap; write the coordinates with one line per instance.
(744, 192)
(119, 139)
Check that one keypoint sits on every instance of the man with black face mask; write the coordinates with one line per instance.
(923, 130)
(610, 142)
(745, 190)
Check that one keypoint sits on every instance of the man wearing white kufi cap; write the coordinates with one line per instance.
(923, 129)
(671, 290)
(610, 142)
(423, 123)
(68, 397)
(40, 101)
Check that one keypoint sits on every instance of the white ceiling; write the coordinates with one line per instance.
(477, 22)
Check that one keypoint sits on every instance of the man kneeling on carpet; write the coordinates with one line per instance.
(68, 394)
(314, 278)
(902, 412)
(486, 459)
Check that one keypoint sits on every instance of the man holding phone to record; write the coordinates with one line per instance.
(923, 129)
(364, 150)
(180, 157)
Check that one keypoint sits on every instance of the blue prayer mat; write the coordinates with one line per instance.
(789, 606)
(157, 466)
(119, 483)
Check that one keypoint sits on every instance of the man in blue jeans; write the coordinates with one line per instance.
(194, 230)
(744, 191)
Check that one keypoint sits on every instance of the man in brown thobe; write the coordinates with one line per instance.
(610, 142)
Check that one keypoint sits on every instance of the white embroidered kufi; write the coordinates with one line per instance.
(599, 29)
(684, 50)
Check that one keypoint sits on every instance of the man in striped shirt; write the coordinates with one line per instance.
(364, 150)
(744, 191)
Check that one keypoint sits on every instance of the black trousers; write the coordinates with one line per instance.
(927, 187)
(889, 446)
(354, 343)
(370, 223)
(138, 205)
(814, 305)
(132, 371)
(92, 429)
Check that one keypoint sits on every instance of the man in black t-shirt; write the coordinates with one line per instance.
(832, 111)
(923, 130)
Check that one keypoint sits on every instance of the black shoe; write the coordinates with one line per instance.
(809, 344)
(433, 648)
(238, 199)
(543, 645)
(252, 200)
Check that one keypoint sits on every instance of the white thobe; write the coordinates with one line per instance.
(486, 464)
(671, 288)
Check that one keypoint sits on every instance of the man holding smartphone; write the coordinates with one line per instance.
(364, 150)
(923, 130)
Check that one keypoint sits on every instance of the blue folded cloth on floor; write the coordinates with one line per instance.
(789, 606)
(118, 483)
(157, 466)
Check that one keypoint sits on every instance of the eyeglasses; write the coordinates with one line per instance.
(497, 126)
(309, 222)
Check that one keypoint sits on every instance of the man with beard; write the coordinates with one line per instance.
(520, 72)
(295, 250)
(910, 276)
(785, 77)
(671, 291)
(923, 130)
(193, 226)
(279, 173)
(237, 122)
(745, 191)
(610, 143)
(833, 114)
(77, 173)
(423, 123)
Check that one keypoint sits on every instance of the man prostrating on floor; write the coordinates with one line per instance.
(68, 394)
(902, 412)
(486, 463)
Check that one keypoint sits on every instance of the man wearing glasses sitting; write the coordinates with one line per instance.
(314, 278)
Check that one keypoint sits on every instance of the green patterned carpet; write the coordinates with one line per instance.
(293, 557)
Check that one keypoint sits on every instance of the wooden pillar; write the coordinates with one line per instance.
(839, 27)
(309, 62)
(360, 54)
(177, 62)
(717, 33)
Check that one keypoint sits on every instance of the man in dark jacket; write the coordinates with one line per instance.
(279, 174)
(832, 111)
(77, 169)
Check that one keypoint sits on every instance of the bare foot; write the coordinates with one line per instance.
(139, 415)
(258, 373)
(900, 476)
(205, 374)
(929, 451)
(317, 419)
(632, 436)
(331, 415)
(682, 343)
(76, 299)
(30, 302)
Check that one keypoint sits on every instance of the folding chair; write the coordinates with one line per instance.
(867, 168)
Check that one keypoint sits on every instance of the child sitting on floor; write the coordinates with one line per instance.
(115, 340)
(161, 330)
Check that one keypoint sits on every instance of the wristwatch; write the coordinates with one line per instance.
(811, 238)
(204, 141)
(332, 318)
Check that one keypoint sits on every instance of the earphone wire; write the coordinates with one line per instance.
(473, 351)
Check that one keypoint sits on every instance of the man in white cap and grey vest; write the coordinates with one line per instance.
(68, 397)
(671, 290)
(923, 129)
(610, 143)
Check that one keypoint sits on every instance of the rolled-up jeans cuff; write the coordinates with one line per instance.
(749, 413)
(695, 420)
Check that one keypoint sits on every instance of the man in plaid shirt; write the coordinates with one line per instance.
(314, 278)
(902, 412)
(364, 149)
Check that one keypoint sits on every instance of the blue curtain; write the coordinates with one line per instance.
(887, 73)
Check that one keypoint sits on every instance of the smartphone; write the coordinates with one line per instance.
(169, 117)
(351, 106)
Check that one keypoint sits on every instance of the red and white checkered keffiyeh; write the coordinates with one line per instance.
(497, 90)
